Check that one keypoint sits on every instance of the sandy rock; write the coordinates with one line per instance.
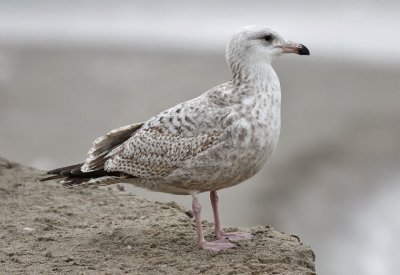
(101, 231)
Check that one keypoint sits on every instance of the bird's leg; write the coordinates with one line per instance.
(233, 236)
(217, 245)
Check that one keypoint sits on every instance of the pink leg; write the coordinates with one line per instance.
(217, 245)
(233, 236)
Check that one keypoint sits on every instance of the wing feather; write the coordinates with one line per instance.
(150, 154)
(167, 140)
(103, 145)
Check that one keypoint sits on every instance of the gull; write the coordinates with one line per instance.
(214, 141)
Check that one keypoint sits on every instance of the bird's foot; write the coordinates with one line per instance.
(218, 245)
(235, 236)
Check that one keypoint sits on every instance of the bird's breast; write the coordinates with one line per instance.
(257, 124)
(254, 132)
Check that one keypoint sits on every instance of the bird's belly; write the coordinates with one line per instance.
(240, 156)
(249, 154)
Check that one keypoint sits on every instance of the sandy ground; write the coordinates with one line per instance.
(49, 229)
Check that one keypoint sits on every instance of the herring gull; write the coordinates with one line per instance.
(211, 142)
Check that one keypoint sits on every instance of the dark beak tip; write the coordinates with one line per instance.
(303, 50)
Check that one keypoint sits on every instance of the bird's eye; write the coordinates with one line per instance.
(268, 38)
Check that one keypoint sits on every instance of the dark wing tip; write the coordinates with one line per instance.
(51, 178)
(64, 170)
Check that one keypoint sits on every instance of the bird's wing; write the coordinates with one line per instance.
(103, 145)
(167, 140)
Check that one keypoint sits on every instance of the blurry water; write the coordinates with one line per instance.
(70, 71)
(375, 232)
(366, 30)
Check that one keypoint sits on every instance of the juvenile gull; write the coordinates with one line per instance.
(214, 141)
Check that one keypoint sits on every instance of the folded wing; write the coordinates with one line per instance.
(103, 145)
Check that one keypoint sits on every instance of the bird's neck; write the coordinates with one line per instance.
(252, 79)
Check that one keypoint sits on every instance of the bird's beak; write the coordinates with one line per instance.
(291, 47)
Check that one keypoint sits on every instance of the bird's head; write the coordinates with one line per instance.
(254, 44)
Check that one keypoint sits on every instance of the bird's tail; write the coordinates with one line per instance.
(73, 176)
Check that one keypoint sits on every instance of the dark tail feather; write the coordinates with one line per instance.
(73, 176)
(72, 182)
(65, 170)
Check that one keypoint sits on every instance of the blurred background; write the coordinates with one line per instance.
(72, 70)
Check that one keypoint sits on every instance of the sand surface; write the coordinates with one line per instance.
(45, 228)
